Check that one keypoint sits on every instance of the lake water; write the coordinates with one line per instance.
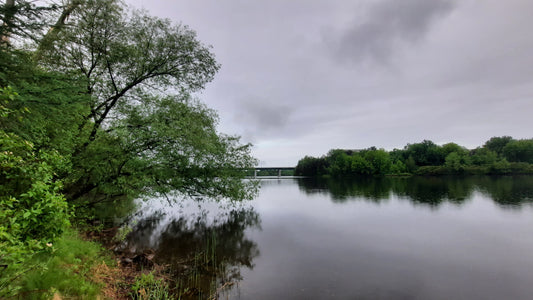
(390, 238)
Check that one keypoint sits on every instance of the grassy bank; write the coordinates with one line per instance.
(70, 267)
(76, 268)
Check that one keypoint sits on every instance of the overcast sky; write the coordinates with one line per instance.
(301, 77)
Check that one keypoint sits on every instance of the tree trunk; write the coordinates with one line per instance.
(52, 33)
(7, 23)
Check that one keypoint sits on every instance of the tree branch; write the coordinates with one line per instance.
(52, 33)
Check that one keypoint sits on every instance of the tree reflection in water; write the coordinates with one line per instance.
(204, 250)
(506, 191)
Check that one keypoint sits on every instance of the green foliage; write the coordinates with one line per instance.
(496, 144)
(398, 167)
(453, 162)
(338, 162)
(519, 151)
(456, 161)
(410, 164)
(483, 157)
(120, 52)
(6, 94)
(361, 166)
(379, 160)
(310, 166)
(448, 148)
(34, 206)
(122, 233)
(34, 213)
(500, 167)
(521, 168)
(148, 287)
(163, 145)
(53, 102)
(425, 153)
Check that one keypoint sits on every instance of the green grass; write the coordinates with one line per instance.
(67, 270)
(147, 287)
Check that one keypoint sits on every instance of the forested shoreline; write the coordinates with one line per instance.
(498, 156)
(97, 105)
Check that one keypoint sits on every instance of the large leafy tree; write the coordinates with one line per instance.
(137, 127)
(379, 160)
(143, 128)
(168, 143)
(123, 52)
(425, 153)
(497, 143)
(311, 166)
(519, 151)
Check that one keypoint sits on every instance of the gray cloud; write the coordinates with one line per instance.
(262, 117)
(387, 24)
(447, 71)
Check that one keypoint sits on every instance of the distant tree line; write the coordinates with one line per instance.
(509, 191)
(499, 155)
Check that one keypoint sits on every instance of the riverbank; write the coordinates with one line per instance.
(129, 275)
(82, 264)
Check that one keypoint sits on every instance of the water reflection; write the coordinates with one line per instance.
(506, 191)
(205, 249)
(431, 191)
(351, 239)
(394, 238)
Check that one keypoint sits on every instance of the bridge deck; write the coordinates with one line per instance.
(274, 168)
(278, 169)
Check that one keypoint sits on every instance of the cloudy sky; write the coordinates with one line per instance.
(301, 77)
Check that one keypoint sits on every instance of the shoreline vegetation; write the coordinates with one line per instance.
(498, 156)
(97, 106)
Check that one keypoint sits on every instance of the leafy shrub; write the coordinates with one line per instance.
(34, 213)
(521, 168)
(500, 167)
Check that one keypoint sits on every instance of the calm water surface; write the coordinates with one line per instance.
(391, 238)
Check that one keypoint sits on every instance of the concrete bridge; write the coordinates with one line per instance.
(278, 169)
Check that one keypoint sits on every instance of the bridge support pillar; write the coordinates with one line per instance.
(279, 173)
(255, 173)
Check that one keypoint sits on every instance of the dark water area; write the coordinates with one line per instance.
(387, 238)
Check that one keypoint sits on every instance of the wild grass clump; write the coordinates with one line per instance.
(201, 278)
(147, 287)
